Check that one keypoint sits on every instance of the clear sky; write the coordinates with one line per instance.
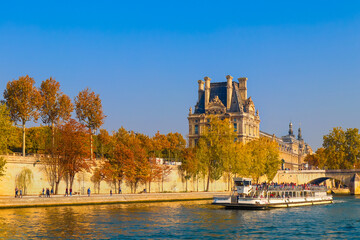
(144, 58)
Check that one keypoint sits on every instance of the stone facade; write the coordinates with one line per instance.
(172, 183)
(229, 100)
(293, 150)
(226, 100)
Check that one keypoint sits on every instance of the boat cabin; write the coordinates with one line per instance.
(243, 185)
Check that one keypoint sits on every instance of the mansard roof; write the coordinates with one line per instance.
(220, 89)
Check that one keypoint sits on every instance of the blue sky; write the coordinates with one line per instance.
(144, 58)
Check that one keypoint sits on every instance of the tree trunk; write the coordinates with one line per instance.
(72, 177)
(162, 184)
(197, 183)
(23, 145)
(53, 137)
(186, 184)
(91, 146)
(208, 183)
(149, 186)
(56, 187)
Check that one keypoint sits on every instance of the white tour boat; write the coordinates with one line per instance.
(248, 196)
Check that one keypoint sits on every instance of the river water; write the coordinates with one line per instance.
(183, 220)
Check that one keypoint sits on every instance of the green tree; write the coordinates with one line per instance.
(38, 139)
(23, 100)
(89, 112)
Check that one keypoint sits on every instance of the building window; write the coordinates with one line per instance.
(196, 129)
(235, 127)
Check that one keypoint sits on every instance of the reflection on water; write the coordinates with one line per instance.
(190, 220)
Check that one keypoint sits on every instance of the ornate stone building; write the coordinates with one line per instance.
(293, 150)
(229, 100)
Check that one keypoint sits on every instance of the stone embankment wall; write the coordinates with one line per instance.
(15, 164)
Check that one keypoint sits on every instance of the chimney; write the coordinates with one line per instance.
(207, 91)
(242, 88)
(229, 91)
(201, 88)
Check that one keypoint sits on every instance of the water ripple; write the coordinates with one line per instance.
(183, 220)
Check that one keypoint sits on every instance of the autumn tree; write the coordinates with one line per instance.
(211, 148)
(89, 112)
(318, 159)
(262, 158)
(104, 144)
(160, 144)
(136, 167)
(55, 106)
(155, 172)
(23, 100)
(97, 177)
(176, 143)
(72, 149)
(189, 167)
(342, 148)
(117, 165)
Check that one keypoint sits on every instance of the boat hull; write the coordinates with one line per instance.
(264, 206)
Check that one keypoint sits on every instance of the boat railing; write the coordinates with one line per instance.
(289, 188)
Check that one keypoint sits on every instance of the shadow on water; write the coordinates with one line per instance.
(182, 220)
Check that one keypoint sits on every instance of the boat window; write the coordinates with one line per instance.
(239, 184)
(247, 183)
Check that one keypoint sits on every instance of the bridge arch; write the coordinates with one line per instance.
(322, 179)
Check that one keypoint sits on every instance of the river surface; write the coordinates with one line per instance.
(183, 220)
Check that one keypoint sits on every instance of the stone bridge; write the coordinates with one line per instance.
(348, 177)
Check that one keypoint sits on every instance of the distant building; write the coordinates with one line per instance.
(293, 150)
(229, 100)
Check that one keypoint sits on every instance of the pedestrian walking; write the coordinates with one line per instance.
(120, 190)
(110, 192)
(47, 192)
(70, 192)
(66, 192)
(88, 192)
(52, 191)
(43, 192)
(16, 192)
(20, 193)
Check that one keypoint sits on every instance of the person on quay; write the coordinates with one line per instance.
(88, 192)
(66, 192)
(70, 192)
(110, 192)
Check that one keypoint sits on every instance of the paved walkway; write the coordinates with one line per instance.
(61, 200)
